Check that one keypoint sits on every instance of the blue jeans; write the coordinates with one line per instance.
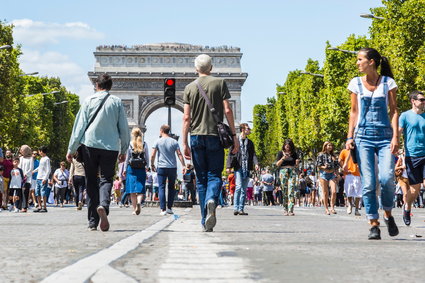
(163, 175)
(240, 192)
(367, 148)
(208, 160)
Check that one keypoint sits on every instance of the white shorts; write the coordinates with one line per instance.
(353, 186)
(33, 184)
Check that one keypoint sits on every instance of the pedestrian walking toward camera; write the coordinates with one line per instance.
(205, 147)
(7, 162)
(328, 165)
(101, 131)
(26, 163)
(352, 181)
(166, 147)
(77, 178)
(287, 161)
(137, 159)
(412, 126)
(267, 180)
(60, 178)
(373, 128)
(36, 163)
(43, 173)
(243, 162)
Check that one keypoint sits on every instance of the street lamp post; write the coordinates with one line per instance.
(62, 102)
(44, 93)
(5, 46)
(343, 50)
(371, 16)
(312, 74)
(28, 74)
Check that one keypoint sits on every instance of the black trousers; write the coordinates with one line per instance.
(79, 186)
(99, 165)
(25, 196)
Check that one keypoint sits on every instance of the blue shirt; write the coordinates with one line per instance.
(268, 178)
(413, 126)
(36, 164)
(1, 153)
(109, 129)
(166, 148)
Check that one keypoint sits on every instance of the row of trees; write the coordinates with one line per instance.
(40, 119)
(313, 109)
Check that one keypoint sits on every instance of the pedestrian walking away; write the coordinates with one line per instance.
(373, 129)
(101, 131)
(137, 159)
(243, 163)
(287, 161)
(77, 178)
(412, 126)
(166, 147)
(205, 147)
(26, 163)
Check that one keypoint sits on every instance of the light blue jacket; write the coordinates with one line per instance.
(109, 129)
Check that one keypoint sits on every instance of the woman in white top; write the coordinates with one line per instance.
(26, 163)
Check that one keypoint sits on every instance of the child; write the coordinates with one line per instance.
(15, 184)
(1, 186)
(117, 190)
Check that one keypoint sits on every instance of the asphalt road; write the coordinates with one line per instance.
(264, 246)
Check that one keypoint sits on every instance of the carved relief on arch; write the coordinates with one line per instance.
(149, 104)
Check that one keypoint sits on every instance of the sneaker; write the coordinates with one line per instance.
(375, 233)
(211, 220)
(349, 209)
(235, 212)
(291, 214)
(243, 213)
(163, 212)
(137, 211)
(406, 216)
(169, 211)
(391, 226)
(80, 206)
(16, 210)
(104, 223)
(93, 228)
(357, 213)
(204, 229)
(36, 210)
(43, 210)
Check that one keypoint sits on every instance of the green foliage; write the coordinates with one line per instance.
(311, 109)
(36, 120)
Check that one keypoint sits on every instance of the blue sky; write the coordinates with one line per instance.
(59, 37)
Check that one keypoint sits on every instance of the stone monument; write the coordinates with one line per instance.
(139, 71)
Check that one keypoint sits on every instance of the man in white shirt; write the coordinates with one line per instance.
(41, 190)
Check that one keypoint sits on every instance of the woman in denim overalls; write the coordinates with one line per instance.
(373, 127)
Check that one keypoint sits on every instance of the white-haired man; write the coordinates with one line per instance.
(206, 151)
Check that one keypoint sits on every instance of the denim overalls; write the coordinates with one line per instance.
(373, 137)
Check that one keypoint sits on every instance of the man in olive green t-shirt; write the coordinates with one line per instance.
(207, 152)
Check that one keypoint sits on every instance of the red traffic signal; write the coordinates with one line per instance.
(170, 91)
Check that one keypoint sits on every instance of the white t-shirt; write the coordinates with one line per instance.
(250, 183)
(155, 179)
(43, 169)
(63, 177)
(353, 86)
(27, 166)
(16, 179)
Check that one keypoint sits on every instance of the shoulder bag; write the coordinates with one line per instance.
(79, 156)
(224, 132)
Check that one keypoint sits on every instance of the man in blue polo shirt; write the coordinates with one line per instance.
(412, 125)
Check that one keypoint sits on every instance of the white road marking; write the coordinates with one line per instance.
(195, 257)
(83, 269)
(108, 274)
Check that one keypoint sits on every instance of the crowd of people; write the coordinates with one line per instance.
(369, 172)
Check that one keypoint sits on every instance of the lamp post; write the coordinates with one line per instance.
(44, 93)
(5, 46)
(343, 50)
(312, 74)
(371, 16)
(28, 74)
(62, 102)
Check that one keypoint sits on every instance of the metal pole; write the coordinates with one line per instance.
(169, 117)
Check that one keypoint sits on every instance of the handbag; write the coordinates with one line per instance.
(224, 132)
(81, 147)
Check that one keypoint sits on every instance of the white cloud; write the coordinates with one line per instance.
(55, 64)
(33, 33)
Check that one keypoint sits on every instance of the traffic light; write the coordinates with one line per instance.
(170, 91)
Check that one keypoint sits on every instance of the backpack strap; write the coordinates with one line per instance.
(359, 83)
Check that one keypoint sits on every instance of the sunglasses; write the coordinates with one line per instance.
(420, 99)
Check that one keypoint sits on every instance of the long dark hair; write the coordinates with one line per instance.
(379, 61)
(291, 145)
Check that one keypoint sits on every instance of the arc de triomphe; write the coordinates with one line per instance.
(138, 73)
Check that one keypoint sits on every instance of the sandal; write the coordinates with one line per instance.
(327, 212)
(333, 211)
